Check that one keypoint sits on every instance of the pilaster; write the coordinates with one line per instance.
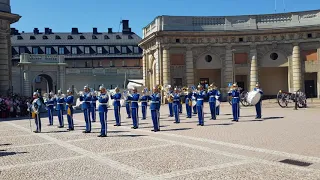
(62, 78)
(253, 67)
(228, 67)
(26, 81)
(318, 84)
(189, 67)
(296, 68)
(166, 66)
(144, 68)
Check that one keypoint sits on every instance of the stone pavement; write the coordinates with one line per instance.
(249, 149)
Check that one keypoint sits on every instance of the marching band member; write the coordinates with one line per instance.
(219, 98)
(188, 100)
(180, 105)
(170, 102)
(69, 108)
(103, 110)
(60, 108)
(128, 109)
(155, 100)
(144, 104)
(50, 107)
(134, 98)
(200, 95)
(116, 104)
(35, 110)
(93, 106)
(176, 102)
(258, 105)
(212, 93)
(86, 100)
(234, 93)
(194, 98)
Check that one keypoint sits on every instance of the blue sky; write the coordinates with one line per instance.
(62, 15)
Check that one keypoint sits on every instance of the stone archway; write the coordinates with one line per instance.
(43, 83)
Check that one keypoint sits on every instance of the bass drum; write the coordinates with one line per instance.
(253, 97)
(217, 103)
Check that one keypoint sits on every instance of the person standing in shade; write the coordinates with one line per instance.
(85, 98)
(69, 108)
(212, 93)
(188, 101)
(200, 98)
(155, 100)
(234, 93)
(176, 102)
(49, 102)
(60, 108)
(218, 107)
(35, 111)
(128, 103)
(134, 98)
(93, 106)
(144, 104)
(116, 104)
(103, 110)
(258, 105)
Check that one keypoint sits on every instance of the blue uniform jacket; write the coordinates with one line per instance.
(219, 94)
(86, 100)
(128, 100)
(194, 96)
(155, 100)
(60, 104)
(50, 103)
(69, 101)
(37, 104)
(94, 101)
(188, 97)
(235, 94)
(200, 98)
(176, 99)
(212, 95)
(144, 100)
(260, 91)
(134, 98)
(116, 97)
(103, 103)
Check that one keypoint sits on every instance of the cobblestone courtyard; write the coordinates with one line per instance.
(249, 149)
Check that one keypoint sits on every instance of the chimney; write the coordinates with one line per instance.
(50, 31)
(95, 30)
(46, 30)
(125, 26)
(109, 30)
(35, 31)
(74, 31)
(12, 31)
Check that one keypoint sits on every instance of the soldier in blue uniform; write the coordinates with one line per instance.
(49, 102)
(234, 93)
(85, 98)
(212, 93)
(176, 102)
(200, 98)
(69, 101)
(258, 105)
(194, 98)
(60, 108)
(116, 104)
(93, 106)
(128, 103)
(134, 98)
(170, 102)
(188, 101)
(144, 104)
(103, 110)
(218, 107)
(35, 110)
(180, 106)
(155, 100)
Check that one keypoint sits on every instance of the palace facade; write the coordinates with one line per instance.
(278, 51)
(49, 61)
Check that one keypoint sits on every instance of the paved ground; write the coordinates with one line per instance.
(249, 149)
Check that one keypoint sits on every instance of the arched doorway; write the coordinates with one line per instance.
(43, 83)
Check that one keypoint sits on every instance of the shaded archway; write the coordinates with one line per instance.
(43, 83)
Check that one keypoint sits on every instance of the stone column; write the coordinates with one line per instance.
(296, 68)
(253, 68)
(26, 81)
(166, 66)
(144, 68)
(189, 67)
(228, 67)
(62, 78)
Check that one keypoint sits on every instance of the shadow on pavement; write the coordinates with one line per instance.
(129, 135)
(4, 153)
(7, 144)
(177, 129)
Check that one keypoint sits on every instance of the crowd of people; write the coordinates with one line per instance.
(13, 106)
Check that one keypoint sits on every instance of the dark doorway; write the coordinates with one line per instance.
(241, 85)
(177, 82)
(309, 86)
(43, 83)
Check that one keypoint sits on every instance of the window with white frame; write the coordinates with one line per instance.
(61, 50)
(124, 50)
(123, 63)
(35, 50)
(136, 50)
(111, 63)
(111, 50)
(74, 50)
(87, 50)
(22, 50)
(99, 50)
(48, 50)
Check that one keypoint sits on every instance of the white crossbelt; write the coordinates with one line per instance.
(103, 103)
(143, 101)
(235, 97)
(154, 102)
(212, 96)
(59, 103)
(200, 99)
(50, 104)
(134, 101)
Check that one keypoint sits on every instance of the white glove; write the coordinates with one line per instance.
(217, 97)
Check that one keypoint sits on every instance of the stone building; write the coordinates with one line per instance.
(280, 51)
(6, 18)
(48, 61)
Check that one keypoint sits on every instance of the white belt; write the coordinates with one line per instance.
(50, 104)
(117, 99)
(176, 100)
(143, 101)
(235, 97)
(212, 96)
(154, 102)
(134, 101)
(87, 101)
(200, 99)
(103, 103)
(59, 103)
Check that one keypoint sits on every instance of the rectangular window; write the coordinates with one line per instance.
(87, 50)
(35, 50)
(124, 63)
(61, 50)
(111, 63)
(22, 50)
(48, 50)
(177, 82)
(99, 49)
(74, 64)
(136, 50)
(111, 50)
(74, 50)
(309, 55)
(124, 50)
(100, 64)
(240, 58)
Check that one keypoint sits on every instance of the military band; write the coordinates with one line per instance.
(176, 105)
(103, 110)
(85, 98)
(144, 103)
(60, 108)
(128, 103)
(93, 106)
(116, 104)
(170, 101)
(188, 101)
(134, 98)
(155, 100)
(235, 95)
(258, 105)
(49, 102)
(213, 97)
(200, 98)
(69, 108)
